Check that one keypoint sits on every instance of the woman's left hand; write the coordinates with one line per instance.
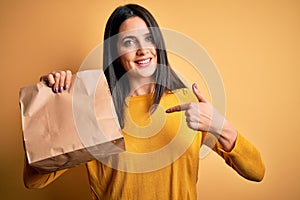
(202, 116)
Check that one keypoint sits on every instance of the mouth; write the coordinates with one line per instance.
(144, 62)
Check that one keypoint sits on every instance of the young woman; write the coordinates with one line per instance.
(163, 123)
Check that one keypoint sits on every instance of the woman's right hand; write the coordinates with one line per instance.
(58, 80)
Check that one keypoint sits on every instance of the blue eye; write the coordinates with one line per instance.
(128, 43)
(149, 38)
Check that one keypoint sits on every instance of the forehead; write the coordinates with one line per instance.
(133, 25)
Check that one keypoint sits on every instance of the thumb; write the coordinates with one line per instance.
(198, 94)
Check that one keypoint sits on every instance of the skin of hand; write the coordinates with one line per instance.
(202, 116)
(58, 80)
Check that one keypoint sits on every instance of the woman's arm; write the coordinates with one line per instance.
(33, 179)
(244, 158)
(236, 150)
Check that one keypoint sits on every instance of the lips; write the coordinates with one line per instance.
(143, 62)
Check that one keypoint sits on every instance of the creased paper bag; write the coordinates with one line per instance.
(70, 128)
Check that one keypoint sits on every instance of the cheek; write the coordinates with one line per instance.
(125, 61)
(126, 52)
(154, 57)
(154, 52)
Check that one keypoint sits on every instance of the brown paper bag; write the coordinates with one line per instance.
(69, 128)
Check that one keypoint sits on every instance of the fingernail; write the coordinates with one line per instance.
(54, 90)
(168, 111)
(195, 86)
(60, 89)
(66, 87)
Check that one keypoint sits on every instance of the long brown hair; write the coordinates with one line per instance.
(165, 78)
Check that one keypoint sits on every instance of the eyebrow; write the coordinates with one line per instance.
(133, 37)
(128, 37)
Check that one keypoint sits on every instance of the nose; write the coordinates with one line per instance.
(143, 49)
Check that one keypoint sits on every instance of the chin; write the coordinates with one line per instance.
(146, 73)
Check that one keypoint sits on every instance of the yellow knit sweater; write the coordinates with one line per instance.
(162, 156)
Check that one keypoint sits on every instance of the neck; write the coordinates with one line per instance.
(141, 87)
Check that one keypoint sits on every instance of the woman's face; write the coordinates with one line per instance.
(136, 48)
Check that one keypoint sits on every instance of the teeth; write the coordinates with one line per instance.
(144, 61)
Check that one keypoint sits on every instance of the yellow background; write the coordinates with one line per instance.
(255, 44)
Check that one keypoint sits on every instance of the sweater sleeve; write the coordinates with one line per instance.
(244, 158)
(34, 180)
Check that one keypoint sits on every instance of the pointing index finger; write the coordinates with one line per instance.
(177, 108)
